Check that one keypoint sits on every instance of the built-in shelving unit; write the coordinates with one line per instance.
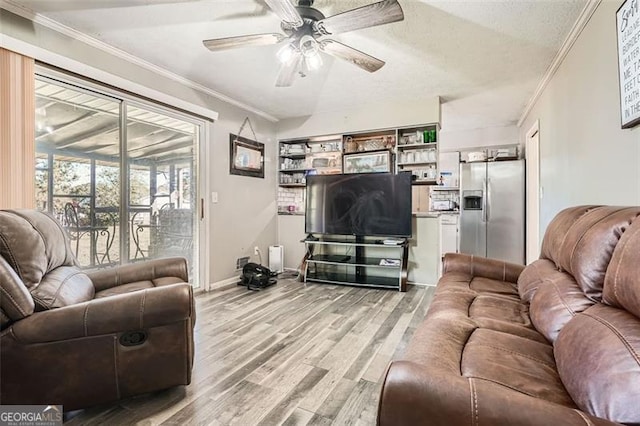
(358, 261)
(413, 148)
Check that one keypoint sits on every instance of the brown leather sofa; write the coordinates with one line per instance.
(81, 338)
(554, 343)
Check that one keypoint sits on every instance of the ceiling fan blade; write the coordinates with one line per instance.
(288, 71)
(286, 12)
(349, 54)
(243, 41)
(383, 12)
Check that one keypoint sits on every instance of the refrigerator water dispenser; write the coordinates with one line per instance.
(472, 200)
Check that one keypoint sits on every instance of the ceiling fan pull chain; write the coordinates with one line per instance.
(244, 123)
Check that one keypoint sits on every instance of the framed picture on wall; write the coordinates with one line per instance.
(628, 32)
(246, 157)
(364, 162)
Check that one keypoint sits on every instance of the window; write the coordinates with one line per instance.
(85, 138)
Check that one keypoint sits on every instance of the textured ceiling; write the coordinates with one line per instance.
(484, 58)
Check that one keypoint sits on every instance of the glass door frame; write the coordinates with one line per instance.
(93, 88)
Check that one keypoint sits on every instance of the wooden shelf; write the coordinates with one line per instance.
(419, 163)
(428, 145)
(294, 170)
(293, 156)
(293, 185)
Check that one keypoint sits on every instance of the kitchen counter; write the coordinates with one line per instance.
(434, 214)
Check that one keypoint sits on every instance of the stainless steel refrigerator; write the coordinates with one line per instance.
(492, 210)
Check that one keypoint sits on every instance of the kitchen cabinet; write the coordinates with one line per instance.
(448, 236)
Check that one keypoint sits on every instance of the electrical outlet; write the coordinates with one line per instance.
(256, 250)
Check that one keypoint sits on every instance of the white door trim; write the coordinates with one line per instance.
(532, 150)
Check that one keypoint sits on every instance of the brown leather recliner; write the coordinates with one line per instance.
(81, 338)
(554, 343)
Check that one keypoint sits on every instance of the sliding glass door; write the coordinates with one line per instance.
(162, 176)
(119, 174)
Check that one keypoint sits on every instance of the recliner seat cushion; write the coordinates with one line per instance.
(138, 285)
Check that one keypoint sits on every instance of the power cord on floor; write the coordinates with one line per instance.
(259, 253)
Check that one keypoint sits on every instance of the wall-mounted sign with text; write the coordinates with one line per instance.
(628, 27)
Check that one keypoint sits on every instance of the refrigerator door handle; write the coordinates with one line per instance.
(488, 205)
(484, 200)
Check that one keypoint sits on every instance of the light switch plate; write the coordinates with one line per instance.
(214, 197)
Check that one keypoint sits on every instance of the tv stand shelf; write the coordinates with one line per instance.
(358, 261)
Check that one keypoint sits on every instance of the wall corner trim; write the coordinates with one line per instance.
(573, 35)
(27, 13)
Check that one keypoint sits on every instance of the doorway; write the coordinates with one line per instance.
(532, 150)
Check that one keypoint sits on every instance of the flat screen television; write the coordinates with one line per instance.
(362, 204)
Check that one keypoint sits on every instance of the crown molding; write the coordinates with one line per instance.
(29, 14)
(575, 32)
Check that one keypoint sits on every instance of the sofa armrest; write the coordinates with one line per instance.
(137, 310)
(140, 271)
(416, 395)
(482, 267)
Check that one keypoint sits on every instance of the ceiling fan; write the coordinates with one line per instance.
(305, 29)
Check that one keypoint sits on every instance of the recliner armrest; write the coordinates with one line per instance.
(140, 271)
(482, 267)
(415, 395)
(137, 310)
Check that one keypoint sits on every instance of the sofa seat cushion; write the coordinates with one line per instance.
(495, 311)
(138, 285)
(520, 364)
(464, 281)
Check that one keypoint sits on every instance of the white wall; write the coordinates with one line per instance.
(245, 215)
(454, 140)
(367, 117)
(585, 157)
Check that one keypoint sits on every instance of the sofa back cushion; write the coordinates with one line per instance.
(589, 243)
(555, 303)
(533, 276)
(557, 231)
(597, 356)
(622, 282)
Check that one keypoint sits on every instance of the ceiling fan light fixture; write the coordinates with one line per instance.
(314, 61)
(286, 53)
(310, 50)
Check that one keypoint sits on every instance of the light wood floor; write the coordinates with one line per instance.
(292, 354)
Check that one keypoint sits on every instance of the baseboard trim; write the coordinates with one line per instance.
(421, 284)
(224, 283)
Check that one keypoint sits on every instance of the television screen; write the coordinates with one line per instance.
(376, 204)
